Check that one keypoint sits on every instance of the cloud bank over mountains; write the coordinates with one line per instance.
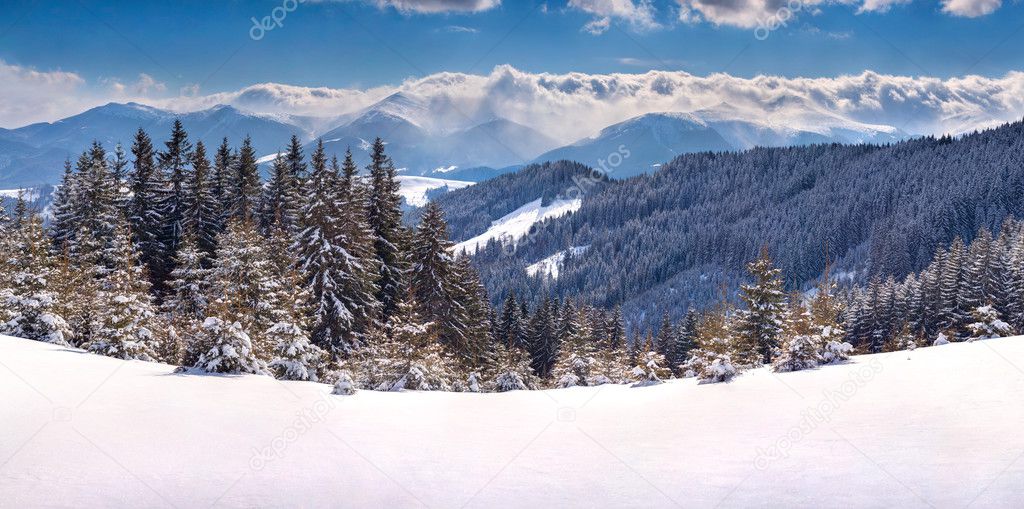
(569, 106)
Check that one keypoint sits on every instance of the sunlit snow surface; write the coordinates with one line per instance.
(516, 224)
(414, 189)
(936, 427)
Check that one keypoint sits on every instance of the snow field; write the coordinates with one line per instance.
(935, 427)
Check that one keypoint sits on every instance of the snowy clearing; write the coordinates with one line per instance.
(551, 265)
(516, 224)
(935, 427)
(415, 189)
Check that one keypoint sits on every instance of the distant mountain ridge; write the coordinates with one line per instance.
(436, 138)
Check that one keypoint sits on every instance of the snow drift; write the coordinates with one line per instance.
(935, 427)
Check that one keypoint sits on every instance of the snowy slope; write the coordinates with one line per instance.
(414, 189)
(551, 265)
(937, 427)
(516, 224)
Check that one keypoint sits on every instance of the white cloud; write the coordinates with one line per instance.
(34, 96)
(638, 14)
(436, 6)
(879, 5)
(575, 105)
(459, 29)
(970, 8)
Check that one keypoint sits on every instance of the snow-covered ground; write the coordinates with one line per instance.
(936, 427)
(414, 189)
(516, 224)
(552, 265)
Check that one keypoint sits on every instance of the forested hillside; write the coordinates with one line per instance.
(667, 241)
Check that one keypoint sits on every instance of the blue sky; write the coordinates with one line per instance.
(358, 44)
(205, 47)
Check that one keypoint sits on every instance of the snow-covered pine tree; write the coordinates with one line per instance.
(512, 371)
(683, 341)
(200, 218)
(665, 337)
(473, 315)
(187, 293)
(384, 215)
(145, 216)
(712, 360)
(952, 315)
(279, 203)
(119, 171)
(542, 338)
(243, 286)
(243, 187)
(223, 164)
(173, 163)
(509, 329)
(293, 159)
(31, 302)
(98, 214)
(64, 222)
(577, 364)
(987, 324)
(760, 328)
(8, 263)
(128, 325)
(228, 348)
(801, 346)
(295, 357)
(355, 238)
(650, 369)
(340, 285)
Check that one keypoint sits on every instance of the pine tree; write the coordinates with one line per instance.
(223, 164)
(542, 339)
(512, 371)
(293, 159)
(243, 191)
(31, 301)
(128, 325)
(187, 297)
(761, 326)
(433, 279)
(99, 215)
(65, 207)
(509, 331)
(200, 217)
(988, 325)
(684, 340)
(279, 204)
(145, 215)
(384, 214)
(119, 172)
(173, 163)
(340, 282)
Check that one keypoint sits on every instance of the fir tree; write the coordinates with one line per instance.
(173, 163)
(145, 215)
(279, 204)
(200, 215)
(761, 326)
(243, 188)
(66, 208)
(30, 300)
(129, 325)
(384, 214)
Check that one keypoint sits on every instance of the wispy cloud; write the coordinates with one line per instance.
(432, 6)
(638, 15)
(970, 8)
(459, 29)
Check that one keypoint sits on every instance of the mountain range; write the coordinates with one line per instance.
(425, 137)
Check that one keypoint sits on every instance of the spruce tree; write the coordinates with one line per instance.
(31, 301)
(145, 215)
(760, 328)
(128, 323)
(223, 164)
(279, 204)
(243, 190)
(173, 163)
(200, 215)
(65, 207)
(384, 214)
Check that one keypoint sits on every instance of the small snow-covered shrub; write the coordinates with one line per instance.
(649, 370)
(710, 367)
(835, 351)
(573, 370)
(987, 324)
(295, 357)
(230, 349)
(941, 340)
(344, 386)
(799, 352)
